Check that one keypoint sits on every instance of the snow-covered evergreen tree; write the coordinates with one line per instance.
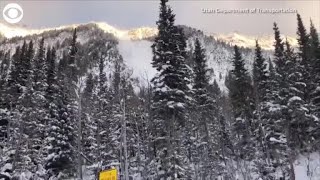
(170, 98)
(62, 154)
(240, 94)
(206, 118)
(306, 58)
(38, 115)
(263, 103)
(279, 126)
(315, 92)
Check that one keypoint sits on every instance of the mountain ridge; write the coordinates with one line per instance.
(135, 46)
(144, 32)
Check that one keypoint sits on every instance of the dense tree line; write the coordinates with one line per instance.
(60, 114)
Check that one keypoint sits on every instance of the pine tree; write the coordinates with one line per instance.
(8, 135)
(206, 118)
(315, 71)
(259, 90)
(307, 53)
(226, 150)
(299, 124)
(72, 65)
(10, 113)
(128, 99)
(89, 123)
(303, 40)
(136, 129)
(278, 125)
(262, 95)
(273, 148)
(4, 68)
(279, 49)
(71, 97)
(107, 120)
(242, 106)
(63, 152)
(22, 112)
(259, 74)
(314, 42)
(56, 159)
(146, 129)
(170, 98)
(14, 81)
(38, 115)
(51, 75)
(4, 72)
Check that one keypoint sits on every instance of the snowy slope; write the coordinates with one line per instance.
(266, 41)
(135, 47)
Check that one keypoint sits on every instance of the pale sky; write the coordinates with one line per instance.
(127, 14)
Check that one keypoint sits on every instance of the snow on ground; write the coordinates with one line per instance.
(308, 167)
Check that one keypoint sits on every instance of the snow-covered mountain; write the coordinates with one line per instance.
(234, 38)
(10, 31)
(265, 41)
(134, 45)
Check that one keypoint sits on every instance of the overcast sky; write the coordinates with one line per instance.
(133, 13)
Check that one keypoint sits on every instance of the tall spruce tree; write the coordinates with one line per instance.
(108, 124)
(58, 148)
(240, 95)
(63, 154)
(303, 40)
(4, 67)
(314, 43)
(24, 111)
(300, 121)
(89, 123)
(315, 93)
(281, 154)
(4, 72)
(170, 98)
(262, 94)
(307, 58)
(259, 74)
(10, 113)
(39, 103)
(206, 116)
